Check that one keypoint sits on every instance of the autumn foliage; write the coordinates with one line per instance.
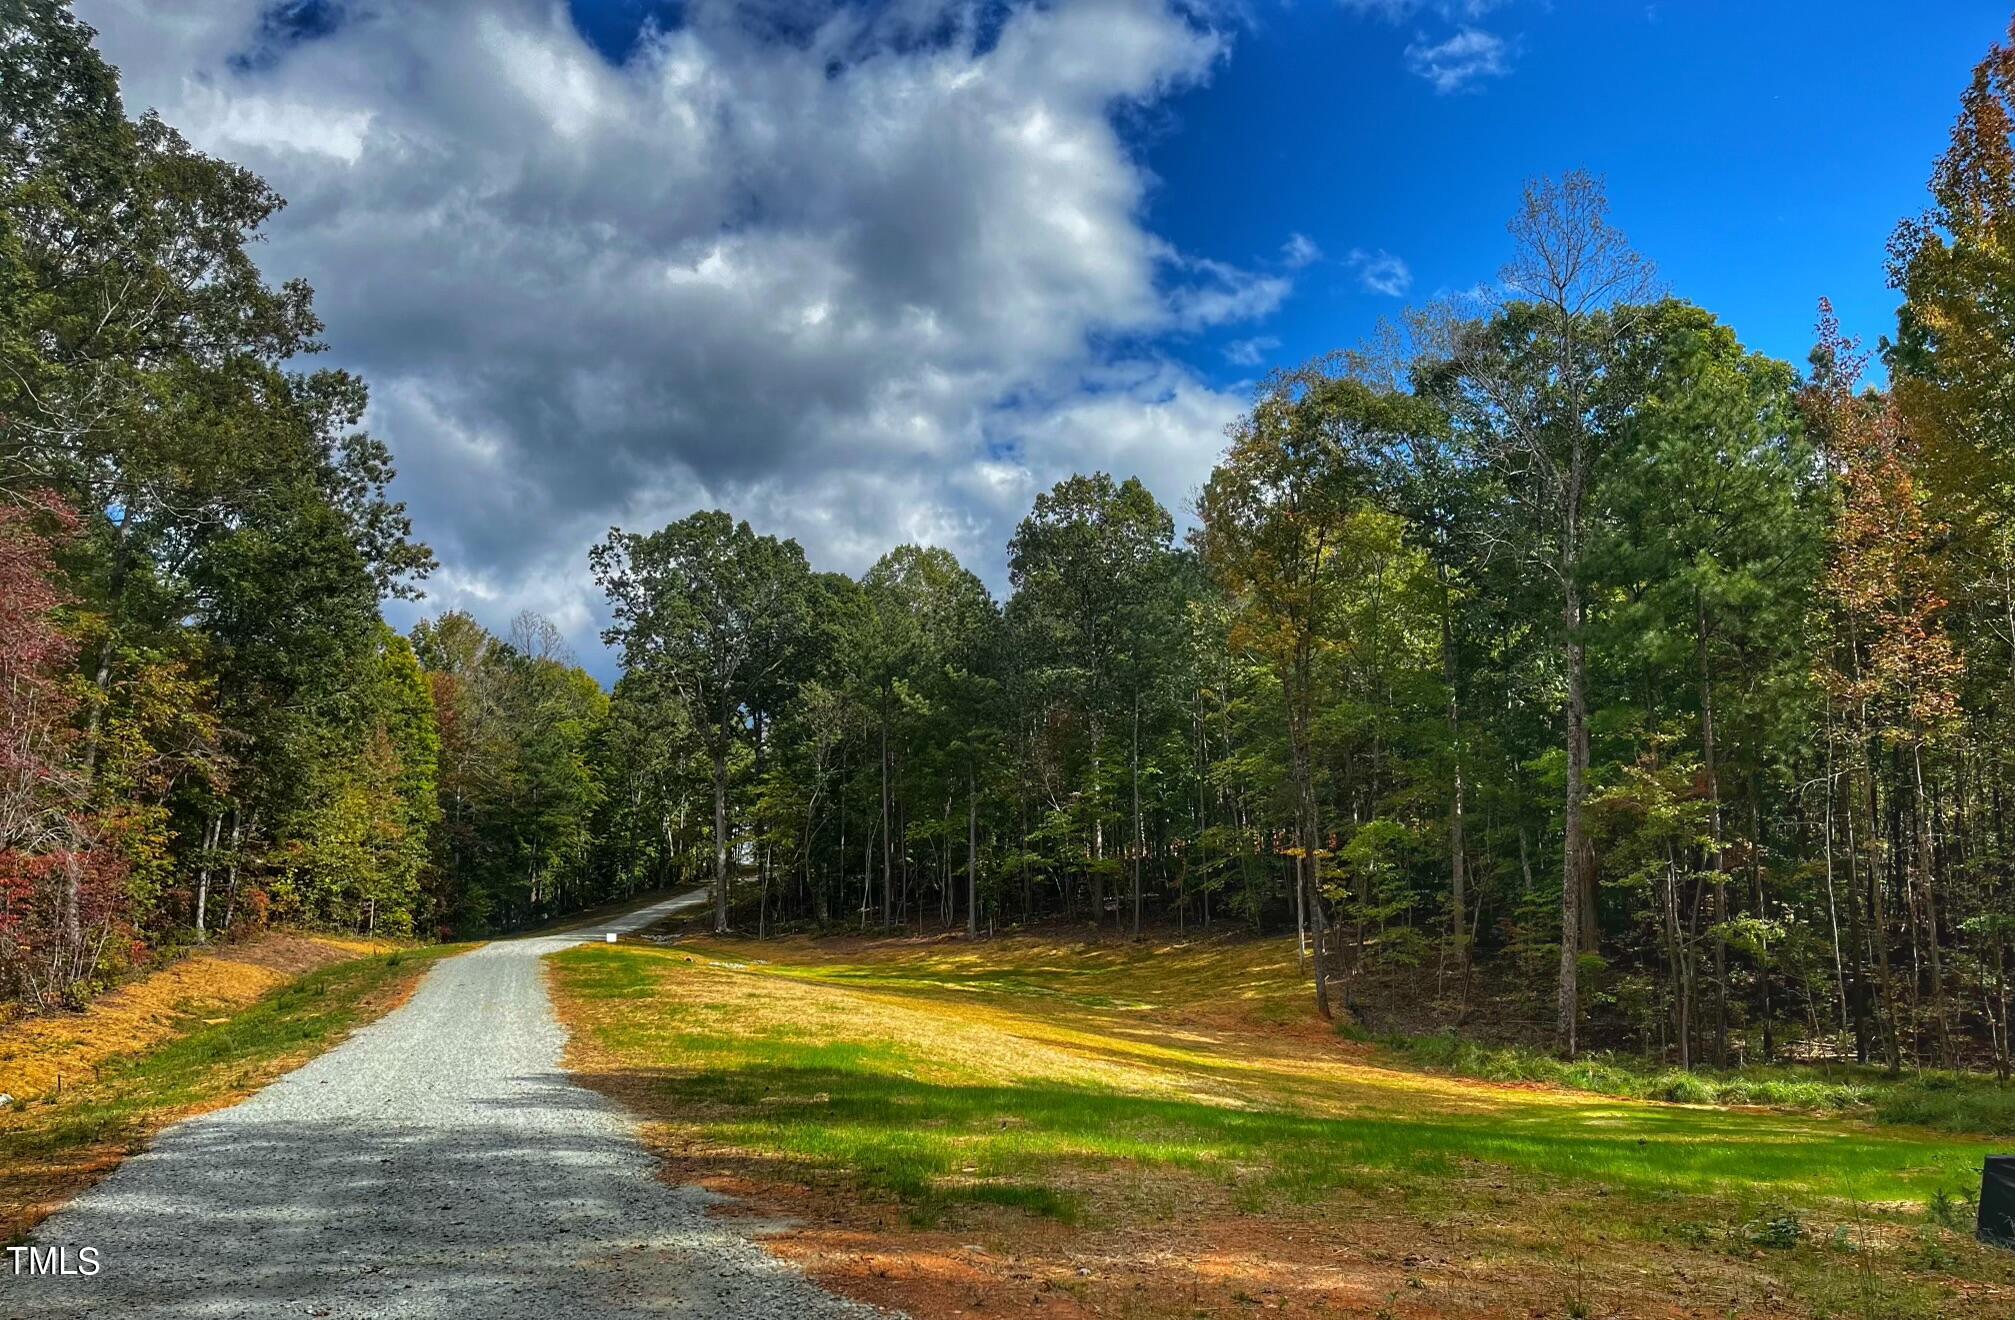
(59, 884)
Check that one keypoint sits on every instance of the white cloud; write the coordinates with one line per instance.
(1381, 272)
(1299, 250)
(1218, 294)
(1460, 61)
(1394, 11)
(1153, 420)
(1250, 352)
(855, 285)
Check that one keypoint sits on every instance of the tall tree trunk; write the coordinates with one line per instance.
(1682, 1021)
(972, 857)
(1568, 1004)
(1763, 940)
(231, 879)
(1716, 857)
(1458, 921)
(203, 874)
(1139, 838)
(1878, 927)
(1926, 859)
(1307, 884)
(1097, 827)
(720, 761)
(888, 881)
(1832, 905)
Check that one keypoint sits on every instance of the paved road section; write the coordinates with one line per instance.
(437, 1164)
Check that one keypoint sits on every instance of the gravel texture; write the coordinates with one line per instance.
(438, 1163)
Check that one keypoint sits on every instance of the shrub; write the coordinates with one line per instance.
(1778, 1229)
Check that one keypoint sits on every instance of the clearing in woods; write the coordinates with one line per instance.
(1040, 1127)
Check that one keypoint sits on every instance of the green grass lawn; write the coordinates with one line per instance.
(52, 1147)
(1082, 1085)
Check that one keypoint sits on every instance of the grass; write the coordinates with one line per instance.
(1102, 1089)
(54, 1146)
(1948, 1101)
(38, 1053)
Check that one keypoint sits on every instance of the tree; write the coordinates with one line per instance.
(1526, 387)
(1088, 565)
(702, 607)
(1276, 518)
(1952, 364)
(1891, 669)
(1712, 560)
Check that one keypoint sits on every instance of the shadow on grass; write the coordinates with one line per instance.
(930, 1144)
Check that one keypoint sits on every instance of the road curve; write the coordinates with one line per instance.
(438, 1163)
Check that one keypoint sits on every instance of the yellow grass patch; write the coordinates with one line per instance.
(36, 1052)
(1225, 1019)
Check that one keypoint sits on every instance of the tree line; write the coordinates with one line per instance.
(1554, 637)
(1553, 644)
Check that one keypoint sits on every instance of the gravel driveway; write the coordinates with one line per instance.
(438, 1163)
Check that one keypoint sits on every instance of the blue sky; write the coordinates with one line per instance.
(868, 273)
(1761, 153)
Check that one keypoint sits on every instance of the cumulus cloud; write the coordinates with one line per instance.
(1381, 272)
(1461, 61)
(854, 275)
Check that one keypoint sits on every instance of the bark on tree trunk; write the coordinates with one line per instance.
(1458, 922)
(1925, 865)
(1568, 1004)
(1139, 839)
(1307, 887)
(972, 858)
(203, 875)
(1682, 1024)
(231, 881)
(888, 882)
(1878, 928)
(720, 759)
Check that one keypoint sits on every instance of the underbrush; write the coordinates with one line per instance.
(1945, 1100)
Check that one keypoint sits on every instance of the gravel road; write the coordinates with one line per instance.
(438, 1163)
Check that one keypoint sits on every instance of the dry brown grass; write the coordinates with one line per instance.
(39, 1053)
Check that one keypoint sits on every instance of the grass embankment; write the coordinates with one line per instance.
(198, 1035)
(37, 1054)
(1167, 1132)
(1972, 1103)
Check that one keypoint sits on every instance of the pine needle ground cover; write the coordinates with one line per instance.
(182, 1054)
(1054, 1128)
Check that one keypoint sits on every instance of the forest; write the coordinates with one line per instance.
(1554, 645)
